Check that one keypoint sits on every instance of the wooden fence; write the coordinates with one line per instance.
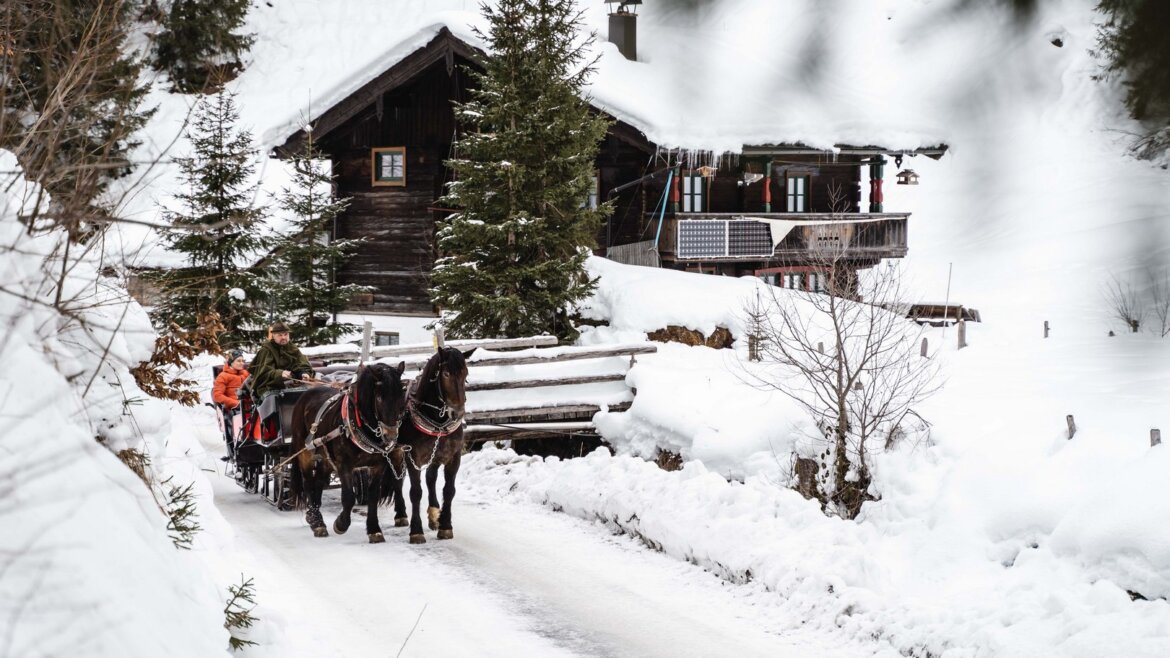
(532, 408)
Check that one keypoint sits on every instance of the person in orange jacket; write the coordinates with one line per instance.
(226, 393)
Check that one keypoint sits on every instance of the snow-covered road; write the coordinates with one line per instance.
(517, 580)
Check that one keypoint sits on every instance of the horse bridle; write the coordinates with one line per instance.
(437, 429)
(386, 434)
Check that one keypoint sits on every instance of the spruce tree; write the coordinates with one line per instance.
(1133, 40)
(70, 97)
(218, 229)
(199, 47)
(512, 259)
(304, 292)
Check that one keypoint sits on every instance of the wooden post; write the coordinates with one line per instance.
(924, 347)
(1072, 425)
(768, 187)
(439, 341)
(1046, 328)
(1155, 437)
(674, 193)
(367, 340)
(962, 334)
(821, 348)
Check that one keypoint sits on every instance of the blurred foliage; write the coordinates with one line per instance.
(1134, 44)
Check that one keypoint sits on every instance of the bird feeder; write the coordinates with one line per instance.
(907, 177)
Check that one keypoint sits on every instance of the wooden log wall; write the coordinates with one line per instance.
(618, 163)
(396, 222)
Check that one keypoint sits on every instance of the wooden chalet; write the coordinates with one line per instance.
(771, 210)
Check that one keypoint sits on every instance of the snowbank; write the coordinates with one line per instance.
(86, 564)
(917, 585)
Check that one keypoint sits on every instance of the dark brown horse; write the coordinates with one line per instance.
(347, 429)
(432, 436)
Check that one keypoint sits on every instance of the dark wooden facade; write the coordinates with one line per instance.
(410, 105)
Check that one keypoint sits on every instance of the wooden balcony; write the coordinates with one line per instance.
(862, 237)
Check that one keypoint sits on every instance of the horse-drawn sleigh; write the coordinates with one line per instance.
(258, 435)
(374, 426)
(367, 435)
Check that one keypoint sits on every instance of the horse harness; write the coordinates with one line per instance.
(352, 426)
(439, 429)
(436, 428)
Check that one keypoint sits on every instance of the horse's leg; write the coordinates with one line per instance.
(313, 515)
(449, 473)
(345, 474)
(432, 496)
(416, 529)
(373, 528)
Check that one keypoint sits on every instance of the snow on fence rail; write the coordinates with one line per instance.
(352, 352)
(548, 392)
(543, 391)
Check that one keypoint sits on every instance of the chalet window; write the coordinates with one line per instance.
(692, 193)
(593, 199)
(798, 194)
(389, 166)
(385, 338)
(810, 281)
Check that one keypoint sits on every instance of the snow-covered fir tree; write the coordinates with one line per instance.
(199, 46)
(511, 260)
(218, 229)
(304, 293)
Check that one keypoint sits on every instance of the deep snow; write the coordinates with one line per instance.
(995, 537)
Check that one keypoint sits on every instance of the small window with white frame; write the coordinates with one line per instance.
(594, 198)
(798, 193)
(385, 338)
(692, 193)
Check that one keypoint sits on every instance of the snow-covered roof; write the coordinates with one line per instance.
(714, 78)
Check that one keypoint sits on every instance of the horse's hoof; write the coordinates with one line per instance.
(401, 522)
(376, 538)
(447, 534)
(433, 517)
(338, 528)
(320, 531)
(418, 539)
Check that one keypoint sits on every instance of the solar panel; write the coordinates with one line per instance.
(721, 238)
(702, 238)
(749, 238)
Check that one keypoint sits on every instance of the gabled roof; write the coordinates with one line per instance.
(707, 106)
(444, 47)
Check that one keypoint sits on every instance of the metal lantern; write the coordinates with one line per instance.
(624, 6)
(907, 177)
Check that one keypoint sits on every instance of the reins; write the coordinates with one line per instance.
(357, 433)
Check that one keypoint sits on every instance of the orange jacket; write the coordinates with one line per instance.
(226, 384)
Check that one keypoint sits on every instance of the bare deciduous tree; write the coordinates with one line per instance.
(1159, 294)
(1125, 303)
(853, 365)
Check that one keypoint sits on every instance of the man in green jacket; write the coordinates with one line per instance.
(278, 360)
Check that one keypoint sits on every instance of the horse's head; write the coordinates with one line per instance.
(380, 396)
(448, 369)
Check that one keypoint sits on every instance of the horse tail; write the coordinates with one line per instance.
(296, 484)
